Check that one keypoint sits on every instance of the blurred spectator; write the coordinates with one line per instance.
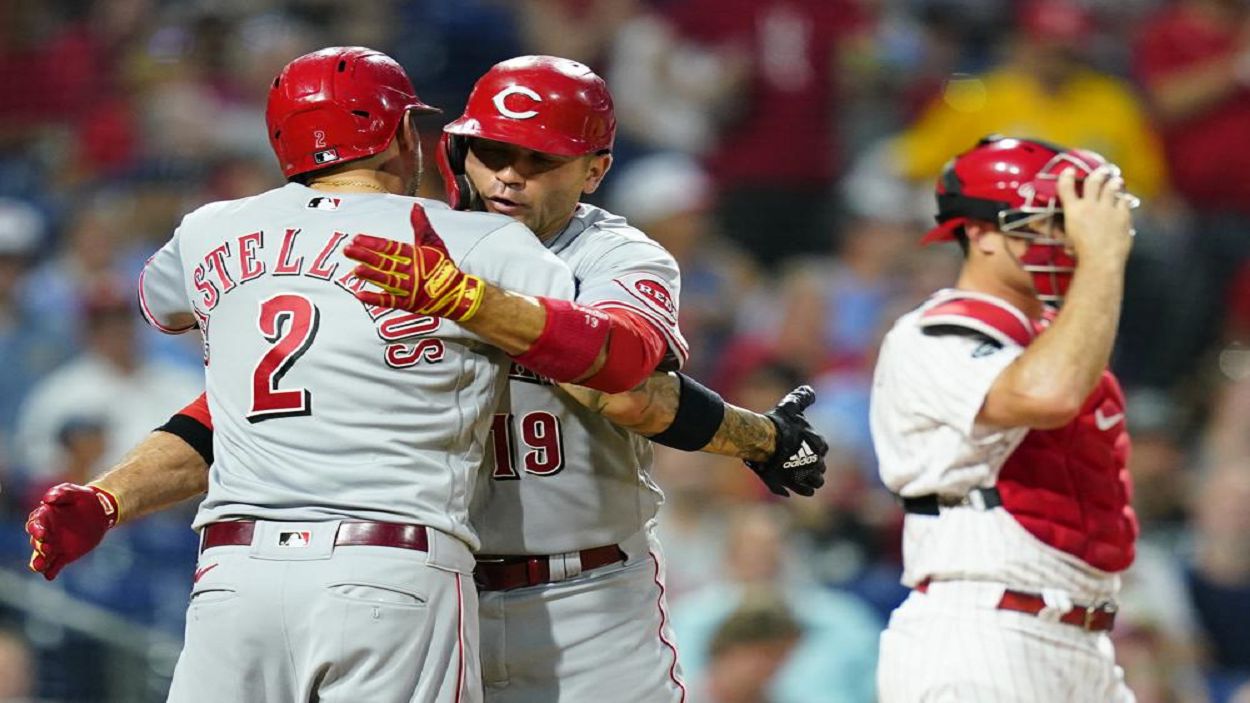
(82, 441)
(776, 152)
(87, 254)
(748, 649)
(63, 72)
(17, 668)
(108, 381)
(30, 345)
(1194, 59)
(1219, 575)
(1159, 466)
(1156, 632)
(1044, 89)
(836, 657)
(573, 29)
(1227, 440)
(668, 196)
(784, 323)
(671, 93)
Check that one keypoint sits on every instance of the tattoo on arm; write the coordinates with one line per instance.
(744, 434)
(647, 409)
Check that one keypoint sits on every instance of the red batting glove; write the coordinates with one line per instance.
(418, 277)
(69, 522)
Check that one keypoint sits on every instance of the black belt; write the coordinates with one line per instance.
(932, 504)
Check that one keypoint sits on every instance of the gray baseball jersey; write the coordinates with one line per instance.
(562, 477)
(324, 408)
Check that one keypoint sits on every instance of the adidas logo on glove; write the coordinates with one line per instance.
(801, 458)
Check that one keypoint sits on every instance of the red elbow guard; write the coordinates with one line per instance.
(570, 341)
(635, 348)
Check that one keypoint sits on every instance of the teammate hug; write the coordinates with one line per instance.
(425, 439)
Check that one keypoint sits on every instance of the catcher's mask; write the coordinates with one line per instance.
(543, 103)
(1013, 184)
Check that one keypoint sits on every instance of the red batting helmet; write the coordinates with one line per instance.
(336, 105)
(1012, 183)
(547, 104)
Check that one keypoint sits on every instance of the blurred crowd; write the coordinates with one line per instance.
(784, 151)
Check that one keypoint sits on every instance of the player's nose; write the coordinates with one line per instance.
(510, 177)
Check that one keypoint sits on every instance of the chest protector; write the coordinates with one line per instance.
(1069, 486)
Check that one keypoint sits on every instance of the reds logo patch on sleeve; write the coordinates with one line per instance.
(656, 293)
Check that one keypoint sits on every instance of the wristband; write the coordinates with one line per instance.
(700, 412)
(108, 502)
(571, 340)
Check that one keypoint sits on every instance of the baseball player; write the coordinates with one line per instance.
(571, 577)
(349, 442)
(997, 422)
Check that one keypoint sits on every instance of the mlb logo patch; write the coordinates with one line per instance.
(323, 203)
(294, 539)
(325, 156)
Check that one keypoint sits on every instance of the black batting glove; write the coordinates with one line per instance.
(798, 462)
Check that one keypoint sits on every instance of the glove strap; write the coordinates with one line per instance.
(108, 502)
(452, 294)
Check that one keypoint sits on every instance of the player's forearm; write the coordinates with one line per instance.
(744, 434)
(161, 471)
(647, 409)
(651, 408)
(513, 322)
(1048, 382)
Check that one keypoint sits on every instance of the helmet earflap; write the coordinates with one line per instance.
(453, 151)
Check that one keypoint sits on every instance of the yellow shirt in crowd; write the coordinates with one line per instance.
(1091, 111)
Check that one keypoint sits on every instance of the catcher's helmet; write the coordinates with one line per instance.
(547, 104)
(336, 105)
(1012, 183)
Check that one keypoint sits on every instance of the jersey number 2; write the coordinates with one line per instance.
(543, 444)
(290, 323)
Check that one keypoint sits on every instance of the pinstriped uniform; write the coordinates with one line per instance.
(951, 643)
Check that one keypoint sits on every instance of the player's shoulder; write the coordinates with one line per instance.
(964, 313)
(226, 208)
(956, 319)
(599, 231)
(443, 218)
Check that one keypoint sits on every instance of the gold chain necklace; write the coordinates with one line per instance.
(359, 184)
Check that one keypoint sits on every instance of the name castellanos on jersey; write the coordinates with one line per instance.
(246, 258)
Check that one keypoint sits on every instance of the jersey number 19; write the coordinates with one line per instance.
(541, 441)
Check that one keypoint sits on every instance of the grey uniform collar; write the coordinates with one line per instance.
(576, 226)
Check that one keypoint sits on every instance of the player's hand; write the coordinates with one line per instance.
(419, 277)
(1098, 221)
(69, 522)
(798, 462)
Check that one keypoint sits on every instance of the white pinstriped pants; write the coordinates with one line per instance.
(951, 645)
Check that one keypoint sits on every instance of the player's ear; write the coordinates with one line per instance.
(977, 231)
(407, 137)
(598, 168)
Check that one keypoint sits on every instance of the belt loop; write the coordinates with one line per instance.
(1057, 604)
(565, 566)
(533, 574)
